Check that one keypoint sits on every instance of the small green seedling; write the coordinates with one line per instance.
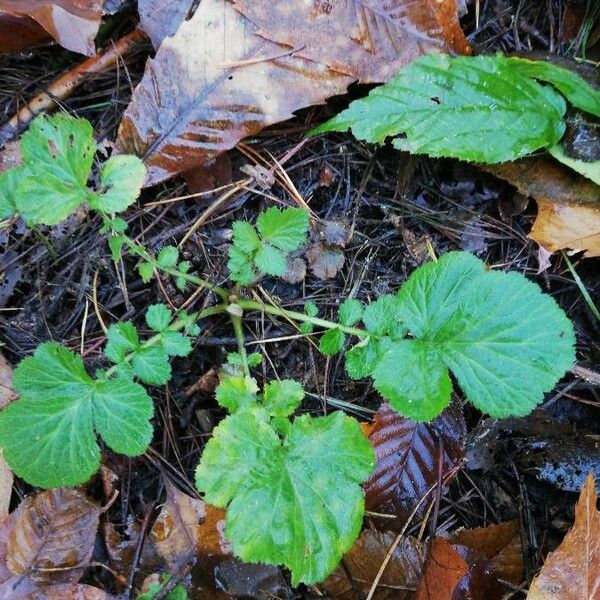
(291, 486)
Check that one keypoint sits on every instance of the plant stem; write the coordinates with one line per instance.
(298, 316)
(239, 336)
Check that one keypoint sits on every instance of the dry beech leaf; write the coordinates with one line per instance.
(572, 571)
(408, 455)
(500, 544)
(216, 81)
(560, 226)
(54, 529)
(361, 564)
(18, 33)
(68, 591)
(7, 394)
(72, 23)
(370, 40)
(160, 19)
(444, 568)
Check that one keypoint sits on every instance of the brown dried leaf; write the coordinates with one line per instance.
(559, 226)
(361, 564)
(54, 529)
(216, 81)
(159, 19)
(18, 33)
(325, 261)
(70, 591)
(7, 394)
(408, 454)
(370, 40)
(444, 568)
(572, 571)
(72, 23)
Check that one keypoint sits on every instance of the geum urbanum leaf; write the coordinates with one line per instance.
(48, 434)
(295, 501)
(505, 342)
(478, 108)
(285, 229)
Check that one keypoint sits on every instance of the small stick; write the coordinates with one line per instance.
(64, 86)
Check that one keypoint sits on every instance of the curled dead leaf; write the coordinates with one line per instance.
(19, 32)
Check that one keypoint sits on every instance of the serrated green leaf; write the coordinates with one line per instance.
(270, 260)
(505, 341)
(474, 108)
(351, 312)
(254, 359)
(413, 378)
(591, 169)
(305, 491)
(58, 153)
(381, 317)
(311, 309)
(332, 341)
(168, 256)
(146, 271)
(151, 364)
(285, 229)
(245, 237)
(9, 182)
(122, 338)
(240, 266)
(235, 392)
(362, 359)
(576, 89)
(175, 343)
(282, 398)
(158, 317)
(48, 434)
(115, 243)
(122, 177)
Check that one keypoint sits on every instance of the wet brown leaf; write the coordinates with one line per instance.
(325, 261)
(408, 455)
(70, 592)
(370, 40)
(444, 568)
(560, 226)
(72, 23)
(159, 19)
(7, 394)
(18, 33)
(216, 81)
(54, 529)
(572, 571)
(361, 564)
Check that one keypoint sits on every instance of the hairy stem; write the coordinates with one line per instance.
(239, 336)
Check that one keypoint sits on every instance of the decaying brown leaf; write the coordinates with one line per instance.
(72, 23)
(55, 530)
(560, 226)
(353, 579)
(572, 571)
(18, 33)
(70, 591)
(408, 455)
(7, 394)
(159, 19)
(444, 568)
(370, 40)
(218, 79)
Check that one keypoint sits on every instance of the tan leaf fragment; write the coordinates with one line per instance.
(572, 571)
(361, 564)
(370, 40)
(444, 568)
(70, 591)
(160, 19)
(55, 530)
(567, 226)
(217, 81)
(72, 23)
(7, 394)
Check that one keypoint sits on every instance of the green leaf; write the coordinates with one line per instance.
(310, 308)
(146, 271)
(591, 170)
(304, 492)
(9, 182)
(245, 237)
(158, 317)
(332, 341)
(58, 153)
(254, 359)
(477, 108)
(122, 177)
(412, 376)
(236, 392)
(240, 266)
(282, 398)
(122, 338)
(381, 317)
(286, 229)
(151, 365)
(351, 312)
(168, 256)
(175, 343)
(362, 359)
(115, 243)
(505, 341)
(270, 260)
(48, 434)
(576, 89)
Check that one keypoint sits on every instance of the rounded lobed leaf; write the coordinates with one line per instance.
(122, 177)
